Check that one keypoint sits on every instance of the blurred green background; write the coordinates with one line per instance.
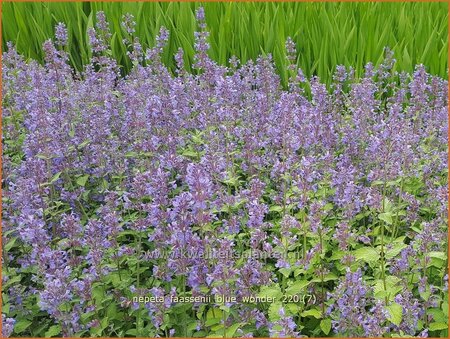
(326, 34)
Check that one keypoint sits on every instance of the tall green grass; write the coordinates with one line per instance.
(326, 34)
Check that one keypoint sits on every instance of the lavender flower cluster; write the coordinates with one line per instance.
(103, 172)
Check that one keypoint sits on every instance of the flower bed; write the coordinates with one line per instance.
(219, 203)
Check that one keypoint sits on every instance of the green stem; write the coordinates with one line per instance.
(304, 238)
(5, 258)
(138, 284)
(184, 294)
(118, 262)
(98, 316)
(382, 259)
(224, 326)
(52, 194)
(425, 315)
(80, 205)
(321, 273)
(396, 226)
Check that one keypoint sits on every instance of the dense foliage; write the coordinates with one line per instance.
(330, 207)
(325, 34)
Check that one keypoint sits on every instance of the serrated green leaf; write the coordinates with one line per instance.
(326, 277)
(270, 292)
(81, 181)
(132, 332)
(274, 311)
(53, 331)
(437, 314)
(285, 271)
(297, 287)
(387, 205)
(21, 326)
(445, 308)
(312, 313)
(337, 255)
(367, 254)
(275, 208)
(438, 255)
(10, 244)
(190, 153)
(395, 313)
(197, 139)
(12, 281)
(392, 287)
(231, 330)
(437, 326)
(386, 217)
(325, 326)
(394, 250)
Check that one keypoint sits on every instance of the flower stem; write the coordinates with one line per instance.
(138, 247)
(382, 258)
(321, 272)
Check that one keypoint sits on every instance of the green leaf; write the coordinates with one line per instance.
(111, 311)
(98, 294)
(325, 326)
(190, 153)
(82, 180)
(84, 144)
(230, 331)
(377, 183)
(396, 313)
(196, 138)
(392, 287)
(285, 271)
(367, 254)
(312, 313)
(437, 314)
(274, 311)
(395, 250)
(212, 321)
(438, 255)
(10, 244)
(225, 308)
(326, 277)
(386, 217)
(132, 332)
(445, 308)
(15, 279)
(270, 292)
(53, 331)
(131, 154)
(293, 308)
(438, 326)
(387, 205)
(214, 313)
(71, 132)
(42, 156)
(297, 287)
(337, 255)
(425, 294)
(104, 323)
(55, 177)
(22, 325)
(275, 208)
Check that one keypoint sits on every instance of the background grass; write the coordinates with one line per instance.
(326, 34)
